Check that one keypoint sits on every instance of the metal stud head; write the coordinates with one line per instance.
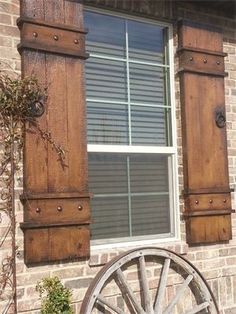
(35, 34)
(76, 41)
(197, 202)
(218, 62)
(211, 201)
(191, 58)
(224, 200)
(38, 210)
(80, 207)
(59, 208)
(55, 37)
(205, 60)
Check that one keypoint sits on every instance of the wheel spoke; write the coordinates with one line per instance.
(198, 308)
(146, 293)
(103, 301)
(129, 292)
(181, 289)
(162, 286)
(140, 300)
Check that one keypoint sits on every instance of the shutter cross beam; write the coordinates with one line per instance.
(49, 37)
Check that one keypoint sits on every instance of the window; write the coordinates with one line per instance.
(129, 125)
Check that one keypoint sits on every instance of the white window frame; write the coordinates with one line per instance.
(174, 235)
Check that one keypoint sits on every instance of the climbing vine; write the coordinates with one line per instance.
(21, 103)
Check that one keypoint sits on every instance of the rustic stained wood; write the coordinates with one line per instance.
(206, 179)
(56, 243)
(54, 38)
(56, 199)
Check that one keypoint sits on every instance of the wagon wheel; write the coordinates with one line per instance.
(143, 295)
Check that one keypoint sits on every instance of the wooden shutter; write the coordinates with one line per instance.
(56, 200)
(206, 179)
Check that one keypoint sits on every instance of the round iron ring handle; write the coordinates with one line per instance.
(220, 119)
(37, 109)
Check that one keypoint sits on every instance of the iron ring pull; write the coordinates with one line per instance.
(220, 118)
(37, 109)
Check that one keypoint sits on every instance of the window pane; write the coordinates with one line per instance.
(106, 34)
(149, 173)
(150, 215)
(110, 217)
(110, 214)
(131, 194)
(107, 174)
(149, 125)
(107, 123)
(106, 79)
(146, 42)
(147, 84)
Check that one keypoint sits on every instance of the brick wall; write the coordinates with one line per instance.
(216, 262)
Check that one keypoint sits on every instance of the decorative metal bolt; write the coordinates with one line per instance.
(38, 210)
(59, 208)
(76, 41)
(35, 34)
(224, 200)
(80, 207)
(211, 201)
(191, 58)
(205, 60)
(197, 202)
(55, 37)
(218, 62)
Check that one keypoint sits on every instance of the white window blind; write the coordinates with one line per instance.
(128, 106)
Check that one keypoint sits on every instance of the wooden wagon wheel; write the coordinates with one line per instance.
(149, 300)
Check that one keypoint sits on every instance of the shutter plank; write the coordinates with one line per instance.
(77, 127)
(206, 177)
(35, 150)
(58, 177)
(76, 120)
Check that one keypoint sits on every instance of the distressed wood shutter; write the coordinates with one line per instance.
(56, 200)
(206, 179)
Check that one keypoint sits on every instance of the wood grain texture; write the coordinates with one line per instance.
(199, 62)
(49, 37)
(48, 244)
(65, 119)
(204, 143)
(54, 211)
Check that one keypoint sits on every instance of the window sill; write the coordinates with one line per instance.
(100, 255)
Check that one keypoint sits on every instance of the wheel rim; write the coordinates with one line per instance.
(149, 300)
